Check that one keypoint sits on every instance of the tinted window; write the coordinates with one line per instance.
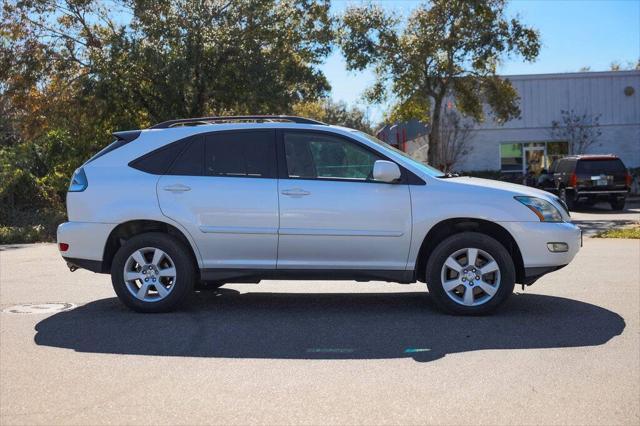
(157, 162)
(597, 167)
(190, 162)
(314, 155)
(566, 166)
(250, 154)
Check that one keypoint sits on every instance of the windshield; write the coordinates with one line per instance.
(431, 171)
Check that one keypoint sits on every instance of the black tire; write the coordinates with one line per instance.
(183, 263)
(567, 197)
(618, 204)
(469, 240)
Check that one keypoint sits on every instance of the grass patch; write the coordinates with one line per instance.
(629, 232)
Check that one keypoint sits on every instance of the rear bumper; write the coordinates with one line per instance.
(89, 265)
(603, 192)
(86, 242)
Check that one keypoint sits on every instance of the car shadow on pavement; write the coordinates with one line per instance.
(326, 326)
(5, 247)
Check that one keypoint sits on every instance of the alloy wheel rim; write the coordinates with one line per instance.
(150, 274)
(470, 277)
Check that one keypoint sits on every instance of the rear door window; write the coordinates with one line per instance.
(241, 154)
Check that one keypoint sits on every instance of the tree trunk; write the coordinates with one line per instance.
(434, 133)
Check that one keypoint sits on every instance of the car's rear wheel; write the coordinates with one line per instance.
(470, 274)
(152, 273)
(617, 204)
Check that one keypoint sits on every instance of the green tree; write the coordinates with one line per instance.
(627, 66)
(337, 113)
(580, 130)
(171, 58)
(74, 71)
(447, 48)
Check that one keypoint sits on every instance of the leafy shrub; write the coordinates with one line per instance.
(23, 234)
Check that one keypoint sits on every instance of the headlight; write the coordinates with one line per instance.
(545, 211)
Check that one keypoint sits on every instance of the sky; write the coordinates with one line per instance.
(574, 34)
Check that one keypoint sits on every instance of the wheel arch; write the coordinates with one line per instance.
(129, 229)
(449, 227)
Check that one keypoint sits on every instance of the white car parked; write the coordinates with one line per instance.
(239, 199)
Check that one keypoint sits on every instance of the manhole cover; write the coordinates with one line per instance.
(39, 308)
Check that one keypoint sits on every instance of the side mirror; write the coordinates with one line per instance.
(386, 171)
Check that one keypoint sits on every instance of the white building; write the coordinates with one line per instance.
(511, 147)
(528, 142)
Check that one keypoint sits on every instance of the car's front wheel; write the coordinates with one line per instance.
(568, 199)
(152, 272)
(470, 274)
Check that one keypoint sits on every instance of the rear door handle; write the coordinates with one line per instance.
(295, 192)
(177, 188)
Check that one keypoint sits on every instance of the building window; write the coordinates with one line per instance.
(511, 157)
(530, 157)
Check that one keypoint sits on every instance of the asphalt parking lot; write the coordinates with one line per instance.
(564, 351)
(600, 217)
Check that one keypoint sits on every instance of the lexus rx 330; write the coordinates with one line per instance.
(239, 199)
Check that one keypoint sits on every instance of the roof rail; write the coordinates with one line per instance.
(231, 118)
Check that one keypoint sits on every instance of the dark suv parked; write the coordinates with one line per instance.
(590, 178)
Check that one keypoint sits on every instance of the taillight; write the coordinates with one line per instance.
(79, 181)
(63, 246)
(573, 180)
(628, 179)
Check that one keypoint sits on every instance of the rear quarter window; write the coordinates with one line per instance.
(563, 166)
(157, 162)
(191, 161)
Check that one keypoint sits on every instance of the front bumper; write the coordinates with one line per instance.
(532, 239)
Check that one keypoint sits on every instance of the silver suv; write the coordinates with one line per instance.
(220, 200)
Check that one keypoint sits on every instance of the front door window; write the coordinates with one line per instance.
(318, 156)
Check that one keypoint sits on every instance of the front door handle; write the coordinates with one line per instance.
(295, 192)
(177, 188)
